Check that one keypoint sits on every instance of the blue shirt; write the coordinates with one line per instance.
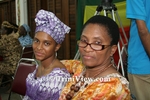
(138, 60)
(25, 40)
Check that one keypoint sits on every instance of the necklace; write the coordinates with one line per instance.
(46, 69)
(75, 87)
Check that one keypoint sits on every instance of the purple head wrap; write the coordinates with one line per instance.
(47, 22)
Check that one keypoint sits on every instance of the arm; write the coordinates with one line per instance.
(144, 35)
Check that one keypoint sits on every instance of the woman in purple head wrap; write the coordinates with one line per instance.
(47, 81)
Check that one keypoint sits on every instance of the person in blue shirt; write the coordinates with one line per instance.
(24, 37)
(139, 48)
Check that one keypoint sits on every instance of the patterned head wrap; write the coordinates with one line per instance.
(47, 22)
(27, 28)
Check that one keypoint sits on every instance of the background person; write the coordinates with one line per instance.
(42, 84)
(10, 49)
(24, 37)
(98, 43)
(139, 48)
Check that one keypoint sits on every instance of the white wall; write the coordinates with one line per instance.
(21, 12)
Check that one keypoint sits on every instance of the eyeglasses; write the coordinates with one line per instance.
(96, 47)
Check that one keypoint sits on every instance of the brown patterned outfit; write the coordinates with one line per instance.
(10, 50)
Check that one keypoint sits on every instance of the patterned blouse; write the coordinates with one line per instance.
(110, 87)
(10, 50)
(46, 87)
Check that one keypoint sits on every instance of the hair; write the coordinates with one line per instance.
(10, 27)
(109, 24)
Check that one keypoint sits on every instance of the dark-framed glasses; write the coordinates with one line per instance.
(94, 46)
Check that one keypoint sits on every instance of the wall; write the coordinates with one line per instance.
(7, 11)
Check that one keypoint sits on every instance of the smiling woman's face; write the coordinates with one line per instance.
(44, 46)
(96, 34)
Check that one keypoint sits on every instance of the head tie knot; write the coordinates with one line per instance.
(47, 22)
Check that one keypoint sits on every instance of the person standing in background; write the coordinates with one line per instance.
(139, 48)
(24, 37)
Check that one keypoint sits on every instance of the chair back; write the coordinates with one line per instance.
(23, 69)
(27, 52)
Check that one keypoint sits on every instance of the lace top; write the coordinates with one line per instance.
(46, 87)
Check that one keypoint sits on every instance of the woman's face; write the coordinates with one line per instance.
(22, 31)
(44, 46)
(96, 34)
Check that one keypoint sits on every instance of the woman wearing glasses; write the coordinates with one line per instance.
(98, 79)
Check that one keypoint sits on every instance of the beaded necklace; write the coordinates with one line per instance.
(81, 83)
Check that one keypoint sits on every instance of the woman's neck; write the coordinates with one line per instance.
(46, 63)
(96, 71)
(46, 67)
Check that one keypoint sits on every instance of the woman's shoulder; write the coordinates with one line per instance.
(73, 66)
(60, 72)
(117, 76)
(59, 67)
